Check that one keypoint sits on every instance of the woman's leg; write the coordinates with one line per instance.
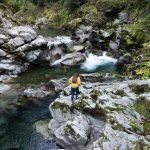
(72, 93)
(77, 92)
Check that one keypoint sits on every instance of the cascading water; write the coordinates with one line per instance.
(93, 62)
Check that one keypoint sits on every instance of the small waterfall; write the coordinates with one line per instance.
(104, 53)
(93, 62)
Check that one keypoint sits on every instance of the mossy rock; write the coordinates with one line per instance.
(95, 93)
(82, 105)
(139, 89)
(62, 106)
(147, 127)
(120, 93)
(134, 126)
(68, 130)
(143, 107)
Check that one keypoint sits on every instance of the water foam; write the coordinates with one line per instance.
(93, 62)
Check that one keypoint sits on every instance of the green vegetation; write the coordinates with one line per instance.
(143, 70)
(140, 36)
(139, 89)
(147, 128)
(134, 126)
(18, 5)
(95, 93)
(121, 93)
(68, 130)
(61, 106)
(143, 107)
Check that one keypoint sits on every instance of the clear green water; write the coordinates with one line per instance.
(21, 134)
(39, 75)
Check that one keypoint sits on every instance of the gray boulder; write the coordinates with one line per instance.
(73, 59)
(126, 59)
(41, 23)
(4, 88)
(114, 44)
(23, 48)
(58, 84)
(1, 42)
(4, 38)
(33, 55)
(27, 37)
(15, 42)
(13, 68)
(59, 40)
(17, 30)
(4, 22)
(2, 53)
(83, 33)
(78, 48)
(36, 93)
(39, 41)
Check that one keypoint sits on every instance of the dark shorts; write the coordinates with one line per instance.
(75, 91)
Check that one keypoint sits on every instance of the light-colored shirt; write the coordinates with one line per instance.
(74, 85)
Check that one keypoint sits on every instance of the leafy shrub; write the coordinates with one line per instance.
(143, 72)
(15, 4)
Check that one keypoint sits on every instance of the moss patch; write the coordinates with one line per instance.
(139, 89)
(61, 106)
(95, 93)
(147, 128)
(120, 93)
(134, 126)
(68, 130)
(143, 106)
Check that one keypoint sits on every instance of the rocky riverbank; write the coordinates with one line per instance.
(21, 47)
(112, 112)
(103, 116)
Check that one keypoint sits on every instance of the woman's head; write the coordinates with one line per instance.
(75, 77)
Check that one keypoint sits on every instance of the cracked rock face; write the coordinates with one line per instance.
(103, 117)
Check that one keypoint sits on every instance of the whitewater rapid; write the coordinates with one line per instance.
(93, 62)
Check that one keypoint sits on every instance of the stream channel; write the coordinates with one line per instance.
(20, 131)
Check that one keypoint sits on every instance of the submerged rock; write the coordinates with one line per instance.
(38, 93)
(4, 88)
(41, 127)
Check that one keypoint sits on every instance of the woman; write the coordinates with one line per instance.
(74, 81)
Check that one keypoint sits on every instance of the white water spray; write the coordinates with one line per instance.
(93, 62)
